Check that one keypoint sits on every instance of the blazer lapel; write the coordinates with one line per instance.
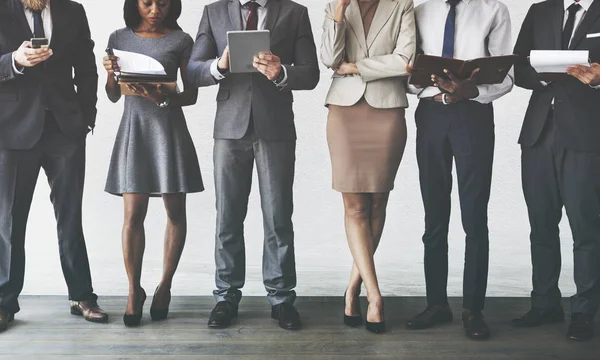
(272, 13)
(20, 19)
(355, 22)
(384, 11)
(588, 20)
(235, 14)
(558, 19)
(60, 22)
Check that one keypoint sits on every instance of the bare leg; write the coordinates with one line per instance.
(379, 203)
(134, 243)
(175, 235)
(360, 239)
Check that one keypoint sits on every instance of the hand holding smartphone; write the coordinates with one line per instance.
(39, 43)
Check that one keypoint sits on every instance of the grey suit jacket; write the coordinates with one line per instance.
(242, 94)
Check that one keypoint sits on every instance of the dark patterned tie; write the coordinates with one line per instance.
(448, 50)
(570, 26)
(252, 23)
(38, 24)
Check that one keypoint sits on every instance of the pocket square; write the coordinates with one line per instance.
(589, 36)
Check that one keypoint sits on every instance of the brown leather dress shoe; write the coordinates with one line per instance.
(5, 318)
(89, 310)
(475, 326)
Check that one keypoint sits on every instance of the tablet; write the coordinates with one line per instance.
(244, 46)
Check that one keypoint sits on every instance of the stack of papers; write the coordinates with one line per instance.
(557, 61)
(141, 68)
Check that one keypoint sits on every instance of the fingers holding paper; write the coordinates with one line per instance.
(268, 64)
(589, 75)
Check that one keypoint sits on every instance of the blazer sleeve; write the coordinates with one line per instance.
(304, 73)
(7, 71)
(525, 75)
(333, 40)
(393, 65)
(203, 54)
(86, 72)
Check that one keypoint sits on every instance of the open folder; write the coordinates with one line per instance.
(142, 69)
(492, 70)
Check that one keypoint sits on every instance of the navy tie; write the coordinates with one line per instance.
(448, 50)
(570, 25)
(38, 24)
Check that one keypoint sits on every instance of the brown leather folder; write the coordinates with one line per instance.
(169, 88)
(492, 70)
(168, 82)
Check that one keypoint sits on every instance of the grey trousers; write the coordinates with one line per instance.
(233, 163)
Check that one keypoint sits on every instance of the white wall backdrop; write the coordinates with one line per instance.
(323, 259)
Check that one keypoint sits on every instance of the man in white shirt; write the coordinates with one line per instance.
(44, 121)
(560, 143)
(455, 119)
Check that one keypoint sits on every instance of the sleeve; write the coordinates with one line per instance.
(187, 44)
(525, 75)
(86, 73)
(499, 43)
(333, 40)
(204, 54)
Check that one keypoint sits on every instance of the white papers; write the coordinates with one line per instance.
(557, 61)
(131, 62)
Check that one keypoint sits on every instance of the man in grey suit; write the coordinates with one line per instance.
(255, 122)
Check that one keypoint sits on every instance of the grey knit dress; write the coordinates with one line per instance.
(153, 152)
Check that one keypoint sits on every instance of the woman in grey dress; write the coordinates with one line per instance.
(153, 153)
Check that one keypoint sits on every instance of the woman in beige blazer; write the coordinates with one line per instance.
(368, 43)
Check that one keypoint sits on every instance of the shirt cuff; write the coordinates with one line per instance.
(14, 65)
(214, 70)
(597, 87)
(283, 83)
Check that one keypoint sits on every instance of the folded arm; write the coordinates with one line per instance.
(333, 40)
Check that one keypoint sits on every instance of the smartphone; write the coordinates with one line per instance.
(37, 43)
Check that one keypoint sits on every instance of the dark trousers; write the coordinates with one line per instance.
(463, 131)
(554, 176)
(63, 160)
(275, 162)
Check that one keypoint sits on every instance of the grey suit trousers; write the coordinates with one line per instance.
(233, 163)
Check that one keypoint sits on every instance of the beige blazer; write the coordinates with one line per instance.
(381, 57)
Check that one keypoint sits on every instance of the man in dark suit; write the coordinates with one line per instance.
(43, 124)
(255, 123)
(560, 142)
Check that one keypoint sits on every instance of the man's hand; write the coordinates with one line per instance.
(589, 75)
(268, 64)
(347, 68)
(461, 89)
(25, 56)
(223, 64)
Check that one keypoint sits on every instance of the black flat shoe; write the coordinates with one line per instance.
(375, 327)
(158, 314)
(135, 319)
(355, 320)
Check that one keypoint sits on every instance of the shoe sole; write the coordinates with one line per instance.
(77, 312)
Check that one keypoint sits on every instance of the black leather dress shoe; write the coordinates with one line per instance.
(433, 315)
(581, 328)
(288, 316)
(475, 326)
(221, 315)
(5, 318)
(536, 317)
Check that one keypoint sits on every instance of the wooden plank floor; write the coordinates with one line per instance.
(44, 329)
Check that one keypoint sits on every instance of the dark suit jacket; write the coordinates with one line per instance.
(576, 106)
(239, 94)
(24, 98)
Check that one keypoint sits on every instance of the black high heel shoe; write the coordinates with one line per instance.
(135, 319)
(375, 327)
(158, 314)
(352, 321)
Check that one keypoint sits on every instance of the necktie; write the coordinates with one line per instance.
(570, 26)
(252, 22)
(448, 50)
(38, 24)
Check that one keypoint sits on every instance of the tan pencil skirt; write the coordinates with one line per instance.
(366, 146)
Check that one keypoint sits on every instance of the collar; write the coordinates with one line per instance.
(585, 4)
(469, 1)
(262, 3)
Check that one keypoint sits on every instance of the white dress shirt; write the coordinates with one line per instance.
(585, 6)
(483, 28)
(46, 19)
(261, 25)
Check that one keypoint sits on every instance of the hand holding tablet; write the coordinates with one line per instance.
(244, 46)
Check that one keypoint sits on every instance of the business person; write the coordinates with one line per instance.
(560, 143)
(369, 43)
(153, 153)
(43, 124)
(455, 120)
(255, 123)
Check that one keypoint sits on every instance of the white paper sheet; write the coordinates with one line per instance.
(138, 63)
(557, 61)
